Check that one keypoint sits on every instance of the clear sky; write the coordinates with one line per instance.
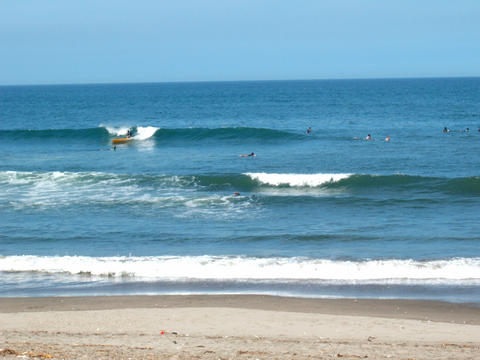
(86, 41)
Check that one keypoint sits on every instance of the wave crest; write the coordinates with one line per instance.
(310, 180)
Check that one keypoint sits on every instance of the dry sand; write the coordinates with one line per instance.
(236, 327)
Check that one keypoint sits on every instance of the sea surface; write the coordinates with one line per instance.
(176, 210)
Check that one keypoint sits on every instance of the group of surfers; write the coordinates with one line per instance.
(308, 132)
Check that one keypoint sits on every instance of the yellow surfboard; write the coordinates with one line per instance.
(121, 140)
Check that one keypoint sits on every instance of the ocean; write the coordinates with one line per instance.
(176, 210)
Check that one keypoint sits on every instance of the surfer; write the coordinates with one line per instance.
(248, 155)
(309, 130)
(129, 133)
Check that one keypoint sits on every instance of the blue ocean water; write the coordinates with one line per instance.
(177, 210)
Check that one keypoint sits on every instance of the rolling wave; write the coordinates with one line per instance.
(391, 271)
(145, 132)
(232, 133)
(357, 182)
(371, 183)
(96, 184)
(57, 134)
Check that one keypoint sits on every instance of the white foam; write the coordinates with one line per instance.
(310, 180)
(464, 270)
(64, 188)
(144, 133)
(45, 190)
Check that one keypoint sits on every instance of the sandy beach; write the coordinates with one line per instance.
(236, 327)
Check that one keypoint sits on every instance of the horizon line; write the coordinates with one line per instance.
(231, 81)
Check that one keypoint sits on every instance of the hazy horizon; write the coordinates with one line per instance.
(247, 80)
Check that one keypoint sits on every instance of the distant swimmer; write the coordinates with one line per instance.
(387, 138)
(369, 137)
(251, 154)
(445, 130)
(309, 130)
(236, 193)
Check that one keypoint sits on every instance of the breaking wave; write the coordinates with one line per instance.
(57, 187)
(390, 271)
(145, 132)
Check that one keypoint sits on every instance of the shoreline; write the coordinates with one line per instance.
(427, 310)
(235, 327)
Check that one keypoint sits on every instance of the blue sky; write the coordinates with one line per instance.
(61, 41)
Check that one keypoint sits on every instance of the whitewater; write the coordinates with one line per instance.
(460, 270)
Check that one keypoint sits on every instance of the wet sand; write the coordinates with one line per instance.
(236, 327)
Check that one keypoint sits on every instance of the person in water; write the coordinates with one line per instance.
(129, 133)
(369, 137)
(387, 138)
(309, 130)
(445, 130)
(248, 155)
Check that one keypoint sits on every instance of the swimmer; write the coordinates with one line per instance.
(369, 137)
(251, 154)
(236, 193)
(445, 130)
(387, 138)
(309, 130)
(114, 148)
